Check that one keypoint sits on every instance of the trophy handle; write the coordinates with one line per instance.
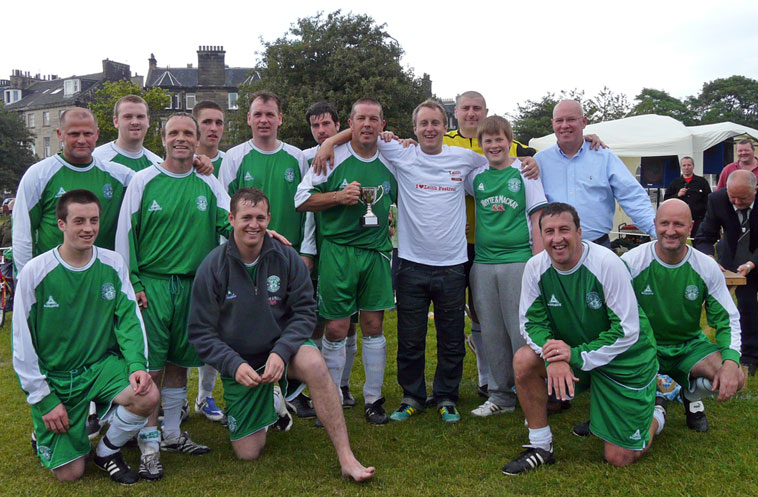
(380, 187)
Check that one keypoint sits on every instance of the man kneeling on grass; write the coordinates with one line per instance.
(78, 337)
(582, 325)
(251, 318)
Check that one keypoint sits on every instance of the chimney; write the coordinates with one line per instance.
(210, 66)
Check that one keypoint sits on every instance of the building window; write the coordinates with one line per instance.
(71, 86)
(190, 101)
(12, 96)
(232, 100)
(170, 101)
(45, 119)
(46, 144)
(30, 120)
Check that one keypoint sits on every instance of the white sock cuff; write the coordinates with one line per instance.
(659, 416)
(541, 437)
(128, 417)
(376, 342)
(329, 345)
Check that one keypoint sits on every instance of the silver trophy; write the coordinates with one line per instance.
(369, 196)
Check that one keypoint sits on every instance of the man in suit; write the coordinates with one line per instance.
(692, 189)
(732, 210)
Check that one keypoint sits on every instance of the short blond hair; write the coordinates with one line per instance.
(430, 104)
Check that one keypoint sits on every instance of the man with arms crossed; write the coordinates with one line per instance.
(78, 337)
(131, 117)
(252, 314)
(673, 282)
(355, 258)
(170, 220)
(590, 180)
(692, 190)
(579, 315)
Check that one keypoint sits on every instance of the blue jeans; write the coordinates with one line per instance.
(418, 285)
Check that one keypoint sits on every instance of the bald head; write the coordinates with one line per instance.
(741, 177)
(674, 207)
(567, 105)
(78, 114)
(740, 187)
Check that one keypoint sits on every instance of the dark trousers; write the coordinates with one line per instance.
(418, 285)
(748, 307)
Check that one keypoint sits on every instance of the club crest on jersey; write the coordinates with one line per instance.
(202, 203)
(45, 452)
(60, 193)
(691, 293)
(289, 175)
(514, 185)
(272, 283)
(154, 207)
(594, 301)
(232, 423)
(108, 191)
(108, 291)
(248, 177)
(480, 187)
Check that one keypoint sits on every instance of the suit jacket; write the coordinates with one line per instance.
(721, 214)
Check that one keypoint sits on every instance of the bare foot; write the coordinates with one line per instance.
(357, 471)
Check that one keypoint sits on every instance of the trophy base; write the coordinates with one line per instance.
(369, 222)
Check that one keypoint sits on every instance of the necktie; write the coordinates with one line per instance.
(742, 254)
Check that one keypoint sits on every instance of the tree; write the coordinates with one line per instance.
(651, 101)
(16, 145)
(338, 58)
(106, 97)
(728, 99)
(606, 106)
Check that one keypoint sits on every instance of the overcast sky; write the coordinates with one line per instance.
(509, 53)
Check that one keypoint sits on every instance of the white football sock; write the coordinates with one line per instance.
(374, 359)
(149, 440)
(351, 347)
(541, 438)
(334, 357)
(173, 400)
(124, 424)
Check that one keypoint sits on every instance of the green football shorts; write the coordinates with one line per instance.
(678, 360)
(619, 414)
(353, 279)
(168, 302)
(101, 382)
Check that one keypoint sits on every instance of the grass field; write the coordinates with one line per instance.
(420, 457)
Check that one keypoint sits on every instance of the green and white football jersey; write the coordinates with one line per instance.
(341, 224)
(504, 200)
(109, 152)
(35, 225)
(216, 161)
(66, 318)
(673, 297)
(593, 309)
(169, 222)
(277, 173)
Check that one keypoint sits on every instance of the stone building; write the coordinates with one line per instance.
(211, 80)
(41, 99)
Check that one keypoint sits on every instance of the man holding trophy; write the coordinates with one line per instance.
(354, 198)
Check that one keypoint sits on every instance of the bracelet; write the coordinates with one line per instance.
(334, 196)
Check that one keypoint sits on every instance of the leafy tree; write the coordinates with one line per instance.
(106, 97)
(728, 99)
(16, 145)
(651, 101)
(338, 58)
(606, 106)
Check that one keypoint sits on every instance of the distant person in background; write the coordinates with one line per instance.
(693, 190)
(210, 117)
(746, 161)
